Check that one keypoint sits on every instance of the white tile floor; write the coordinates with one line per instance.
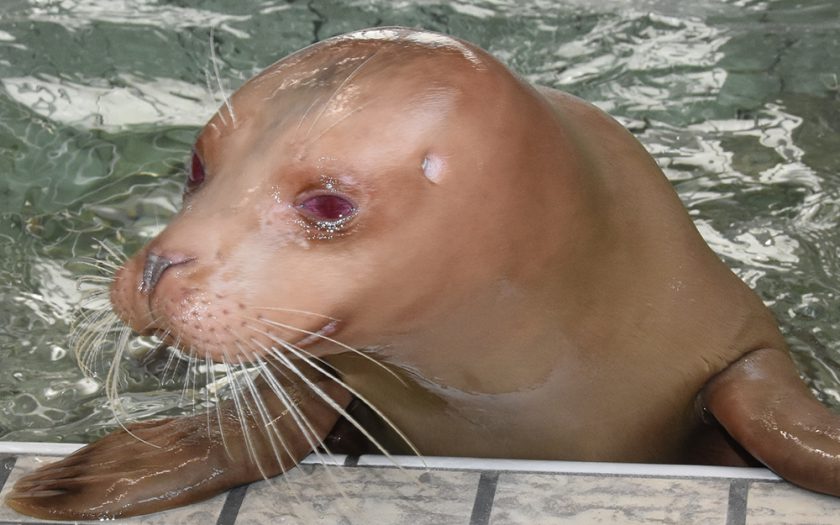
(371, 490)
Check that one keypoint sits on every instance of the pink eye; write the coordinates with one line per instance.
(196, 174)
(328, 209)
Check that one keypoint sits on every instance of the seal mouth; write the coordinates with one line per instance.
(323, 334)
(169, 340)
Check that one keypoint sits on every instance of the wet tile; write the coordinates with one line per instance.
(203, 512)
(783, 504)
(532, 499)
(314, 494)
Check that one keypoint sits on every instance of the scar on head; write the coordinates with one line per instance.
(433, 167)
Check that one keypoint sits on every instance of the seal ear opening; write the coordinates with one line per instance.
(763, 404)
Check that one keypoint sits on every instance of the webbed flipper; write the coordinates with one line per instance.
(764, 405)
(168, 463)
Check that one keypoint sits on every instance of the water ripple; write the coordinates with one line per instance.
(738, 100)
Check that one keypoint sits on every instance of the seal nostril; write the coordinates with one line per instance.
(152, 271)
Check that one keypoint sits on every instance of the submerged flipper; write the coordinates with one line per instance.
(762, 403)
(179, 460)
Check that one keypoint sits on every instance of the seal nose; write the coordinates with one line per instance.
(153, 270)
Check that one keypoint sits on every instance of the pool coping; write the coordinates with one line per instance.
(476, 464)
(502, 491)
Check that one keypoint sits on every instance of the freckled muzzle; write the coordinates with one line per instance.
(191, 313)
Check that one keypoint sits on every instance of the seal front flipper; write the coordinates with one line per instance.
(764, 405)
(179, 460)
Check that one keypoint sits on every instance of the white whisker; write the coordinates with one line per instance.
(320, 393)
(242, 416)
(114, 251)
(345, 116)
(313, 363)
(171, 357)
(185, 388)
(211, 371)
(325, 338)
(101, 270)
(305, 114)
(112, 388)
(271, 429)
(214, 62)
(193, 368)
(301, 421)
(268, 422)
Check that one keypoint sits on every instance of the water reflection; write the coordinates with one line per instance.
(100, 100)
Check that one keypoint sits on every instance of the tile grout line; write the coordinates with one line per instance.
(485, 494)
(6, 467)
(736, 509)
(233, 501)
(503, 465)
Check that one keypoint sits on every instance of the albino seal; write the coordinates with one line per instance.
(497, 270)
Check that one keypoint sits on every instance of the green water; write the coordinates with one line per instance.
(738, 100)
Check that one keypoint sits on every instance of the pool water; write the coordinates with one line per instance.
(738, 100)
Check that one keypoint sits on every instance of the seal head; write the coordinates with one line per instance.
(357, 180)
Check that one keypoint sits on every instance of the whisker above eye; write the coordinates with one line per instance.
(214, 61)
(339, 88)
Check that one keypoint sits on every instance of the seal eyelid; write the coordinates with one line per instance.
(327, 209)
